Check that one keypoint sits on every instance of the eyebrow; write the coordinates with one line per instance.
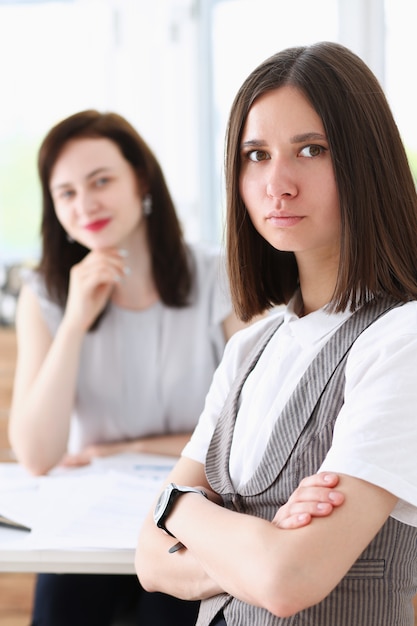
(98, 170)
(301, 138)
(311, 136)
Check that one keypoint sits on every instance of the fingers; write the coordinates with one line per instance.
(322, 479)
(101, 267)
(318, 488)
(91, 284)
(296, 515)
(293, 521)
(74, 460)
(316, 496)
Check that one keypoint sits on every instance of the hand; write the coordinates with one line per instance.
(314, 497)
(90, 452)
(74, 460)
(91, 284)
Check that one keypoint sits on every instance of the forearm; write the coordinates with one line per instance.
(283, 571)
(232, 549)
(178, 573)
(41, 410)
(213, 560)
(168, 445)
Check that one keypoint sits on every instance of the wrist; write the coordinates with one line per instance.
(167, 501)
(72, 329)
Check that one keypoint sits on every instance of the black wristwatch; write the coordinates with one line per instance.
(167, 500)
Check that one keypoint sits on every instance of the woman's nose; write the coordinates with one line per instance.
(87, 204)
(281, 180)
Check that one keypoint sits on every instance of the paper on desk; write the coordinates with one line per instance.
(98, 508)
(97, 511)
(18, 494)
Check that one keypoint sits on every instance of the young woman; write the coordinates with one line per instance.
(322, 216)
(119, 332)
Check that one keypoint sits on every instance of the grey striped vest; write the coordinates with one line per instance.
(378, 589)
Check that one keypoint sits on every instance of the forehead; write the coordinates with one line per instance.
(282, 111)
(79, 157)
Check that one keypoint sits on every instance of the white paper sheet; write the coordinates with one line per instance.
(99, 506)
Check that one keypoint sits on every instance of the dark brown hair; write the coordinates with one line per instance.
(170, 262)
(377, 195)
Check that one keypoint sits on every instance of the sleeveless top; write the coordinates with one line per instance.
(378, 589)
(145, 373)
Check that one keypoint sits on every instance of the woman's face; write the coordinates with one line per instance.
(96, 193)
(287, 180)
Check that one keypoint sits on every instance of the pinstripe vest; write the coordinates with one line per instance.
(378, 589)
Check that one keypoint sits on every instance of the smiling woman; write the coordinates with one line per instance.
(97, 196)
(120, 329)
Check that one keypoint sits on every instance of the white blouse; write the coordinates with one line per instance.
(375, 436)
(147, 372)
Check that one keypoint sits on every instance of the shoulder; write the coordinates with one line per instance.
(51, 311)
(33, 279)
(396, 326)
(211, 291)
(206, 259)
(244, 341)
(387, 349)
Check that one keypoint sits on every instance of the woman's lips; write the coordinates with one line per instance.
(284, 221)
(97, 225)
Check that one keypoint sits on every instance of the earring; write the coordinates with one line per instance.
(69, 238)
(147, 204)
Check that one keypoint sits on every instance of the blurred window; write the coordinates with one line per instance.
(172, 68)
(244, 33)
(400, 75)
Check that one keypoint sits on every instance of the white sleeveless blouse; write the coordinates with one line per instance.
(147, 372)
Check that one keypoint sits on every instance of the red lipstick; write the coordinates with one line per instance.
(97, 225)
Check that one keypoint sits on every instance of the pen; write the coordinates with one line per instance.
(14, 525)
(176, 547)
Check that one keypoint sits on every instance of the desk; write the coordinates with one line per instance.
(65, 561)
(21, 552)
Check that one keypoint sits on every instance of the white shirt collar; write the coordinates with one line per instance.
(314, 327)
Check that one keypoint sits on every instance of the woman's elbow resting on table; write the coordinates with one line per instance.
(166, 445)
(37, 460)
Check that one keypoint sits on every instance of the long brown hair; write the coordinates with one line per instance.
(170, 261)
(377, 195)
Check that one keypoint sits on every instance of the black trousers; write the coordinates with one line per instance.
(106, 600)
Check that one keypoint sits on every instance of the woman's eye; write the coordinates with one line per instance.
(257, 155)
(67, 194)
(312, 151)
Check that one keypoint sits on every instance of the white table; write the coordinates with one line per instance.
(64, 561)
(113, 552)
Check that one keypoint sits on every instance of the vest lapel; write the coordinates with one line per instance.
(217, 461)
(296, 413)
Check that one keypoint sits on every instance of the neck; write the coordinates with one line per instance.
(317, 284)
(136, 290)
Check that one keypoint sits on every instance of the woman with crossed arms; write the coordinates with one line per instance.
(321, 217)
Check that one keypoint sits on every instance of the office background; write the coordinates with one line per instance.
(172, 68)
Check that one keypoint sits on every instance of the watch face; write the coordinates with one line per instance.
(162, 503)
